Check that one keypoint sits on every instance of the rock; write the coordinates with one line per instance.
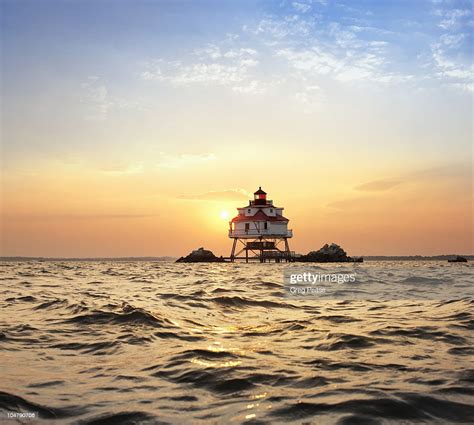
(201, 255)
(458, 259)
(328, 254)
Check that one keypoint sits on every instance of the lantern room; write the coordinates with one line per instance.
(260, 197)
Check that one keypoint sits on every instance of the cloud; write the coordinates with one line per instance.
(452, 40)
(211, 50)
(294, 50)
(98, 103)
(205, 73)
(312, 59)
(456, 175)
(458, 74)
(343, 55)
(449, 58)
(451, 18)
(240, 53)
(95, 96)
(469, 87)
(210, 65)
(378, 185)
(184, 160)
(121, 170)
(359, 62)
(301, 7)
(450, 171)
(54, 217)
(224, 195)
(252, 87)
(309, 97)
(281, 28)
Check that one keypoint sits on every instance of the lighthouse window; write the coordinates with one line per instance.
(271, 210)
(247, 227)
(265, 226)
(249, 210)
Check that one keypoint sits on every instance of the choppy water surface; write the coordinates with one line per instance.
(136, 342)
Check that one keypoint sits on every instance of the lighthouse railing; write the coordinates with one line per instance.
(256, 233)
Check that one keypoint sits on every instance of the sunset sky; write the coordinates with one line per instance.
(129, 126)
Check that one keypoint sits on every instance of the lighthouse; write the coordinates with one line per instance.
(261, 229)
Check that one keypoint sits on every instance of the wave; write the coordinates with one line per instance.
(340, 319)
(454, 389)
(421, 332)
(123, 418)
(20, 334)
(347, 341)
(45, 384)
(56, 303)
(425, 280)
(409, 406)
(236, 301)
(27, 298)
(207, 354)
(211, 380)
(217, 381)
(97, 348)
(129, 315)
(179, 297)
(13, 403)
(462, 351)
(357, 366)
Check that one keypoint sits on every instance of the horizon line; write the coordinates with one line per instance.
(172, 257)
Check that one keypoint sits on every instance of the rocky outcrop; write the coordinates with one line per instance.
(458, 259)
(328, 254)
(201, 255)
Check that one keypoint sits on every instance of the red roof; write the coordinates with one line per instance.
(259, 216)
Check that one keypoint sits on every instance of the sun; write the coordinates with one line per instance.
(224, 214)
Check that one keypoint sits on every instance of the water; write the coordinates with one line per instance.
(137, 342)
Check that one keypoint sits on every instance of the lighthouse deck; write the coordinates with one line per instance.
(266, 257)
(256, 233)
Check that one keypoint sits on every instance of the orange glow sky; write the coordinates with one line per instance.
(132, 144)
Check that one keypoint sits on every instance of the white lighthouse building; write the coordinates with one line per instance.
(261, 229)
